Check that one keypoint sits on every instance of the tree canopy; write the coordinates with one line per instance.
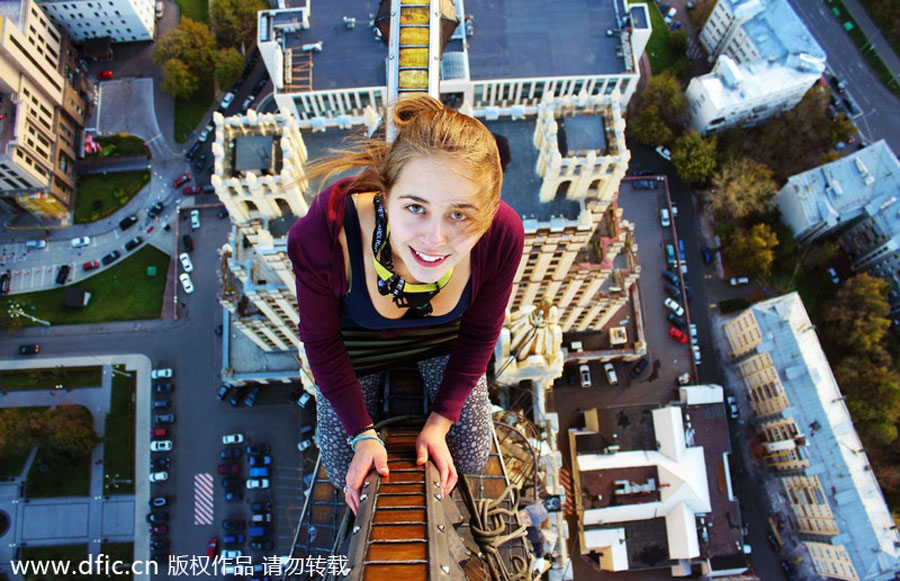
(229, 65)
(650, 129)
(742, 187)
(185, 54)
(178, 80)
(857, 316)
(694, 158)
(234, 21)
(664, 91)
(752, 251)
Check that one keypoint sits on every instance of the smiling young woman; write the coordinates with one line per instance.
(417, 254)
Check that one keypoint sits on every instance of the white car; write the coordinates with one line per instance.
(693, 332)
(832, 273)
(257, 483)
(732, 407)
(304, 399)
(226, 101)
(664, 218)
(185, 279)
(696, 350)
(231, 553)
(674, 307)
(664, 153)
(204, 135)
(161, 476)
(233, 438)
(304, 444)
(584, 373)
(611, 373)
(186, 263)
(247, 102)
(81, 242)
(195, 219)
(738, 281)
(161, 373)
(161, 446)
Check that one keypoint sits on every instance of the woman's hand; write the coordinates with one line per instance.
(369, 454)
(432, 443)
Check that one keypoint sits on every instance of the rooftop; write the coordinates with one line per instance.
(776, 30)
(840, 190)
(868, 531)
(734, 85)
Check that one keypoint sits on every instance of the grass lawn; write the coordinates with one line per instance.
(189, 112)
(118, 450)
(194, 9)
(49, 478)
(12, 464)
(121, 293)
(50, 377)
(119, 552)
(99, 195)
(120, 145)
(661, 56)
(71, 553)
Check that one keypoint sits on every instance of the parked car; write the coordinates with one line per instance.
(247, 102)
(182, 179)
(186, 282)
(160, 476)
(105, 75)
(186, 263)
(5, 280)
(584, 373)
(304, 399)
(157, 517)
(223, 391)
(260, 84)
(732, 407)
(664, 153)
(738, 281)
(212, 546)
(677, 334)
(673, 291)
(29, 349)
(251, 396)
(304, 444)
(226, 101)
(231, 453)
(707, 254)
(261, 546)
(111, 257)
(236, 438)
(208, 189)
(261, 507)
(133, 243)
(163, 388)
(81, 241)
(692, 331)
(833, 275)
(194, 150)
(233, 524)
(259, 531)
(158, 530)
(200, 162)
(187, 242)
(62, 275)
(258, 460)
(675, 320)
(90, 265)
(156, 209)
(639, 368)
(696, 350)
(161, 446)
(161, 373)
(191, 191)
(231, 482)
(232, 495)
(670, 255)
(261, 516)
(204, 135)
(195, 219)
(664, 220)
(258, 449)
(611, 374)
(229, 468)
(159, 433)
(127, 222)
(674, 307)
(235, 539)
(237, 395)
(165, 418)
(160, 463)
(258, 472)
(222, 214)
(671, 277)
(231, 554)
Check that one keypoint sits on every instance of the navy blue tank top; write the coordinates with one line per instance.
(358, 310)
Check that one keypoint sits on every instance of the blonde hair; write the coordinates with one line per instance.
(425, 129)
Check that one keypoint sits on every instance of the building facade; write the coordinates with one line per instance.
(766, 60)
(43, 107)
(119, 20)
(810, 442)
(857, 195)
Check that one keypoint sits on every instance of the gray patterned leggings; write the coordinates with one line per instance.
(469, 440)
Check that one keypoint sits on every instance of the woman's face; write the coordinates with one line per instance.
(430, 209)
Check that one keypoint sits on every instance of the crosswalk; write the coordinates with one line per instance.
(203, 499)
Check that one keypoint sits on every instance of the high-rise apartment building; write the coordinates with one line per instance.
(766, 60)
(42, 109)
(810, 442)
(118, 20)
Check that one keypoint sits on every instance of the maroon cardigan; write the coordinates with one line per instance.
(318, 260)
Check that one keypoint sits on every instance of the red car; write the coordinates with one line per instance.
(212, 546)
(677, 335)
(105, 75)
(91, 265)
(182, 179)
(230, 468)
(159, 530)
(159, 433)
(191, 190)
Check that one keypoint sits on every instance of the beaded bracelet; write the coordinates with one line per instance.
(353, 441)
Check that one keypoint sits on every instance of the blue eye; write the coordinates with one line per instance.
(415, 209)
(458, 217)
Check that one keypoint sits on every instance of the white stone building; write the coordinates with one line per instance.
(120, 20)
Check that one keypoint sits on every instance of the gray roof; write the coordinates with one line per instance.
(527, 38)
(776, 30)
(836, 454)
(840, 191)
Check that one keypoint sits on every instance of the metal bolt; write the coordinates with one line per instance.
(366, 484)
(445, 569)
(355, 530)
(441, 528)
(439, 496)
(436, 484)
(363, 497)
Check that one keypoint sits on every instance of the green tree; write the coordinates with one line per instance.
(16, 435)
(751, 251)
(9, 320)
(69, 431)
(839, 130)
(871, 385)
(694, 158)
(678, 42)
(650, 129)
(857, 317)
(179, 80)
(742, 187)
(229, 65)
(234, 21)
(664, 91)
(191, 43)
